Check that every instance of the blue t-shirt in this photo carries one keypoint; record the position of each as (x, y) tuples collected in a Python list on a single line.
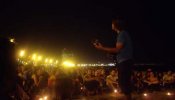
[(126, 52)]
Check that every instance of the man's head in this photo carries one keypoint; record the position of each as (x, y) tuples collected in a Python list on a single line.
[(89, 72), (117, 25), (151, 74), (113, 73)]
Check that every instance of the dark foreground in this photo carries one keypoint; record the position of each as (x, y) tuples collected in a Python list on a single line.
[(158, 95)]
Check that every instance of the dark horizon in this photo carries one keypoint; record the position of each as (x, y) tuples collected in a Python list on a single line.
[(51, 26)]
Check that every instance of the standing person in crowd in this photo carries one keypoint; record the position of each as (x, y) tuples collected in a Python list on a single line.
[(40, 79), (52, 84), (10, 88), (102, 78), (8, 73), (124, 51)]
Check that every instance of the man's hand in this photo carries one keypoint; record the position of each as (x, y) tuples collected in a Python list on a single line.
[(98, 45), (116, 49)]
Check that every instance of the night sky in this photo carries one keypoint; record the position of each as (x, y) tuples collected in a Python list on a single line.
[(50, 26)]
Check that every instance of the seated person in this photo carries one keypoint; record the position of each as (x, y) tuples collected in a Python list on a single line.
[(102, 78), (152, 81), (91, 82), (111, 80), (168, 79), (173, 75), (137, 81)]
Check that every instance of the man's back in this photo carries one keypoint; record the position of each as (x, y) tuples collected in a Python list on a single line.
[(127, 51)]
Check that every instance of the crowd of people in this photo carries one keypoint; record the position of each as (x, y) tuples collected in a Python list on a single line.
[(153, 80), (60, 82), (27, 82)]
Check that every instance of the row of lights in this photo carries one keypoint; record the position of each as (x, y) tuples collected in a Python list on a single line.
[(115, 91), (84, 65), (168, 94), (36, 57), (146, 94), (39, 58), (43, 98)]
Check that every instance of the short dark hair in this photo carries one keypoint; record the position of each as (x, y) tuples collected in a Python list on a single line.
[(119, 23)]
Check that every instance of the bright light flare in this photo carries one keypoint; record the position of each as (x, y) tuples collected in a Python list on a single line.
[(115, 91), (81, 88), (168, 93), (22, 53), (51, 61), (12, 40), (46, 60), (145, 94), (56, 61), (39, 58), (40, 98), (34, 57), (68, 64), (45, 97)]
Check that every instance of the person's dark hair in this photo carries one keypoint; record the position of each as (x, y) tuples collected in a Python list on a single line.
[(119, 24)]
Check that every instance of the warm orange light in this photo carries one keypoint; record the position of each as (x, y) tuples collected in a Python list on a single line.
[(34, 57), (39, 58), (12, 40), (145, 94), (46, 60), (51, 60), (22, 53), (68, 64), (168, 93), (115, 91)]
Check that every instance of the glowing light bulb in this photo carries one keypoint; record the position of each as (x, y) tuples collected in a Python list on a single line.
[(145, 94), (45, 97), (22, 53), (115, 91), (81, 88), (40, 98), (168, 93)]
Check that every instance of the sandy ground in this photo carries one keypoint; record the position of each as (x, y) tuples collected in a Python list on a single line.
[(157, 95)]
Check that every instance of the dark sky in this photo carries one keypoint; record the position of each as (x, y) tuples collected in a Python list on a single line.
[(50, 26)]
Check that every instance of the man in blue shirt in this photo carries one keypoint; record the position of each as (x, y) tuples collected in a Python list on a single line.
[(124, 51)]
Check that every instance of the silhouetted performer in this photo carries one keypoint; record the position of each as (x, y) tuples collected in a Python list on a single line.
[(124, 51)]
